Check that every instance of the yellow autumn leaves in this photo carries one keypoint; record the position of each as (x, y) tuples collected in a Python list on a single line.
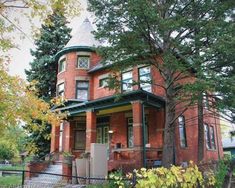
[(19, 103), (175, 176)]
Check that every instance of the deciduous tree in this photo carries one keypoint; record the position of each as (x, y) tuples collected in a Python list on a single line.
[(183, 40)]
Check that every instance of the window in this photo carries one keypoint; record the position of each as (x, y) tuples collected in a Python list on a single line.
[(62, 65), (103, 82), (130, 137), (82, 90), (207, 136), (206, 101), (212, 134), (83, 62), (182, 132), (80, 136), (60, 89), (145, 78), (127, 81), (102, 130), (61, 137), (210, 137)]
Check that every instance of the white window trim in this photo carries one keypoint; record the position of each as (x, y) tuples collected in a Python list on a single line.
[(83, 54), (104, 76), (82, 78)]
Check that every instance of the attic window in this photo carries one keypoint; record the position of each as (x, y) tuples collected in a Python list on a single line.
[(83, 62)]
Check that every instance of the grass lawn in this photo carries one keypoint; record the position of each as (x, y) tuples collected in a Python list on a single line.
[(18, 167), (10, 180)]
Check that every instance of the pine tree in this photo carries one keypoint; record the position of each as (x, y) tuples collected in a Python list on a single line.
[(181, 39), (54, 34)]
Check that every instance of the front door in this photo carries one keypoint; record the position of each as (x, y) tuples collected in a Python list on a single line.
[(103, 134), (102, 130)]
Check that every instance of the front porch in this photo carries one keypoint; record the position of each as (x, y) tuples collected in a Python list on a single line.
[(132, 141)]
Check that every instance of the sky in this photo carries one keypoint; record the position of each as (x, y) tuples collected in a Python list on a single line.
[(20, 56)]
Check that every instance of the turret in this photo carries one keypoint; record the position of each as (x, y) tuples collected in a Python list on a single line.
[(74, 62)]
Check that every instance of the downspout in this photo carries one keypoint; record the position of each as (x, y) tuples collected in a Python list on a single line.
[(144, 136), (218, 146)]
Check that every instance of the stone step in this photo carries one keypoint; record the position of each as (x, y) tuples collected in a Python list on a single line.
[(47, 180)]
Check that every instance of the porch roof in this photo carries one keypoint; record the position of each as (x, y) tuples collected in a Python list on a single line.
[(114, 101)]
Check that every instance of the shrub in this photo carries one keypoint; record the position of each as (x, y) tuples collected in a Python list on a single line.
[(7, 150), (176, 176), (116, 180), (221, 172)]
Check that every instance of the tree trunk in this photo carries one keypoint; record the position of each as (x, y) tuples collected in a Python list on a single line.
[(201, 136), (169, 133)]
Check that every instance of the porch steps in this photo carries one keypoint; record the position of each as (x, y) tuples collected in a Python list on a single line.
[(233, 182), (58, 162), (47, 180)]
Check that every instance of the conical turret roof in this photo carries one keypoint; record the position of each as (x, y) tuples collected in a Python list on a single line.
[(83, 40), (84, 36)]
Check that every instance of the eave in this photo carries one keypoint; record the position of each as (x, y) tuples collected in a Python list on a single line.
[(146, 98), (74, 49)]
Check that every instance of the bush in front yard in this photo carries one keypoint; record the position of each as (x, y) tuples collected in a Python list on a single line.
[(176, 176), (7, 150)]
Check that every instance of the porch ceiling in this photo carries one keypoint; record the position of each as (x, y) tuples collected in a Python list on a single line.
[(115, 109), (115, 103)]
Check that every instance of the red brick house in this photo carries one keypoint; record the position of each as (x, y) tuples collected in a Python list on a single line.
[(132, 126)]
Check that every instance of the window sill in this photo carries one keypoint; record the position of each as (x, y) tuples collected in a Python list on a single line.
[(102, 87), (212, 150), (78, 150), (82, 68), (61, 72), (184, 148)]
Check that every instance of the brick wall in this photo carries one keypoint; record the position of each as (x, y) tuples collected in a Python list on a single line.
[(35, 167), (156, 117)]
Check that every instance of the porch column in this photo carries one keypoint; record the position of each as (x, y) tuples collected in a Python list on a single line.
[(55, 137), (90, 129), (67, 137), (67, 147), (137, 132)]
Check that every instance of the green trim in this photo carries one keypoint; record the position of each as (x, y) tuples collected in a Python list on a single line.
[(72, 49), (103, 107), (112, 101), (103, 67), (144, 136)]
